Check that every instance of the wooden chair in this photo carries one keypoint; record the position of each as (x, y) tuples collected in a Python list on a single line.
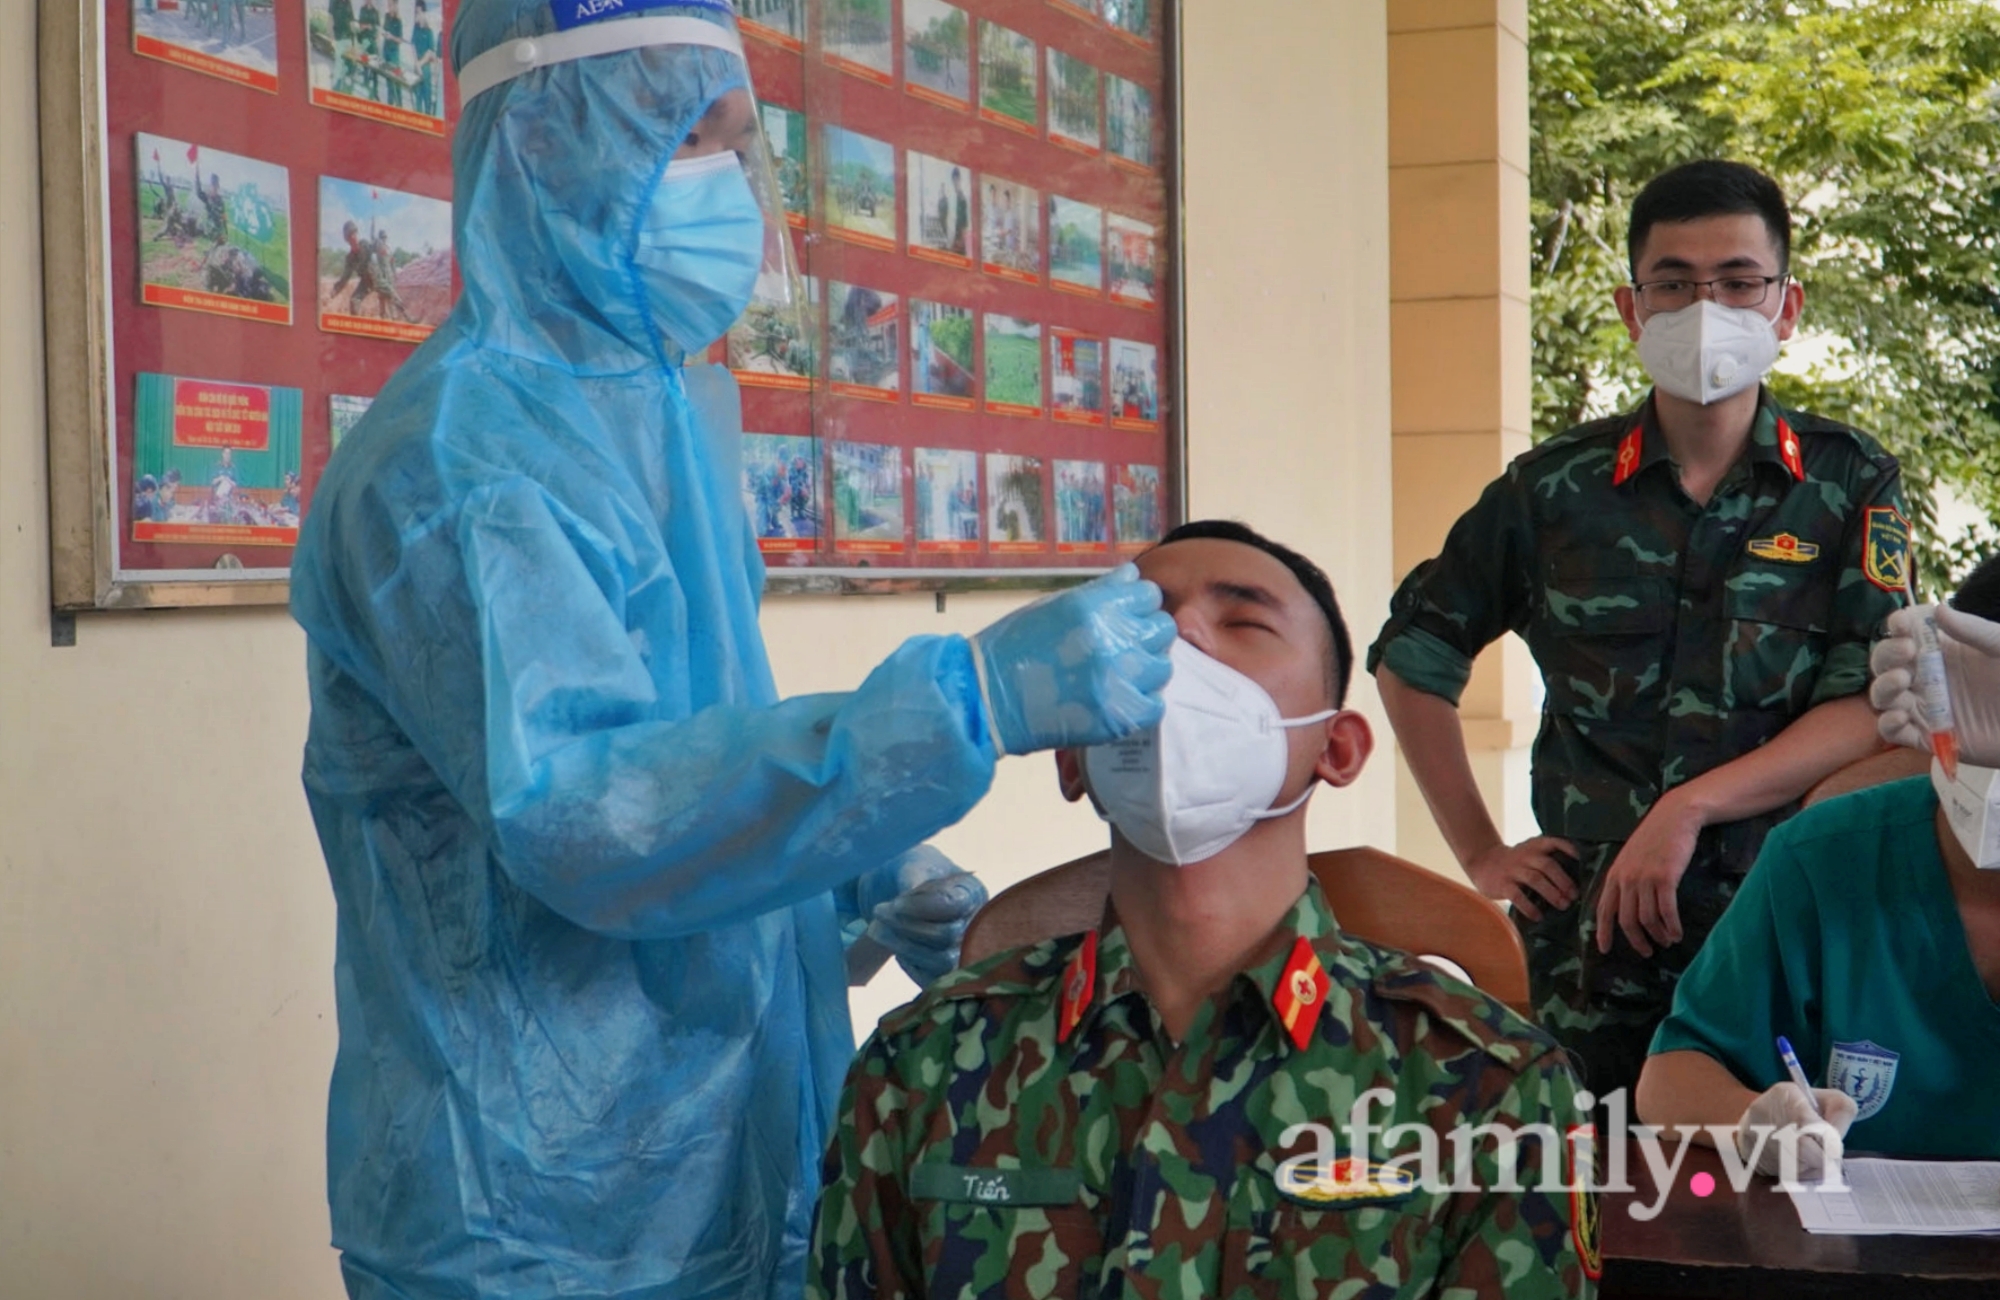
[(1374, 895), (1889, 765)]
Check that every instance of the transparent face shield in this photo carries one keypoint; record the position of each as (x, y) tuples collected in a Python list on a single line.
[(774, 332)]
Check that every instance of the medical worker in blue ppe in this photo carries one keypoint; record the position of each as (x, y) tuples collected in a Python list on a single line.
[(591, 872)]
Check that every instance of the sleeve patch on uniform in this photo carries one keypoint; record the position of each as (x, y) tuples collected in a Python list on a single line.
[(1581, 1153), (1885, 548)]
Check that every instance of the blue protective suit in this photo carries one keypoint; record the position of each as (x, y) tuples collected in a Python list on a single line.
[(593, 1015)]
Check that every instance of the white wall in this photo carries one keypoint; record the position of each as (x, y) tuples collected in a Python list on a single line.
[(166, 933)]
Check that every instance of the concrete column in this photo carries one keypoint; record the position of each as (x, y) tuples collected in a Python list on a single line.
[(1459, 338)]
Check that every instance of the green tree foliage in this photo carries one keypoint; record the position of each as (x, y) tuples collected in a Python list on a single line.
[(1881, 120)]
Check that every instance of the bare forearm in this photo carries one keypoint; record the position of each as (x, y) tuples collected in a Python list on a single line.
[(1816, 745), (1433, 742), (1690, 1088)]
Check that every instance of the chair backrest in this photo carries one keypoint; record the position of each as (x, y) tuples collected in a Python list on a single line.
[(1889, 765), (1375, 896)]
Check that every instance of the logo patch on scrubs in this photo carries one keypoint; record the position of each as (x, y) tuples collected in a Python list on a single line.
[(1864, 1071), (1348, 1181), (1885, 548), (1784, 547), (575, 13)]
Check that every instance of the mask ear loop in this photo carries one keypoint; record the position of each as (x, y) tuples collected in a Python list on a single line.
[(1300, 802)]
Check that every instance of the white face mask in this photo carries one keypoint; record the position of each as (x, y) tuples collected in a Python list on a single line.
[(1706, 352), (1192, 786), (1972, 808)]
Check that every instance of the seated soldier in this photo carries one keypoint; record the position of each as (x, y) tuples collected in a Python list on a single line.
[(1868, 935), (1111, 1111)]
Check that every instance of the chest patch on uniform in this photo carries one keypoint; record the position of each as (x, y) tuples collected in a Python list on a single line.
[(1885, 548), (985, 1186), (1346, 1181), (1865, 1071), (1785, 547)]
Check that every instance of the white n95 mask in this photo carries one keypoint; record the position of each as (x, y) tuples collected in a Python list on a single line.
[(1971, 806), (1194, 784), (1706, 352)]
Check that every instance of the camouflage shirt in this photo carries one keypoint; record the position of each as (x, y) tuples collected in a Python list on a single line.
[(1027, 1128), (1672, 637)]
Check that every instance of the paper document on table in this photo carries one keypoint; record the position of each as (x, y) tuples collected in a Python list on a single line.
[(1920, 1197)]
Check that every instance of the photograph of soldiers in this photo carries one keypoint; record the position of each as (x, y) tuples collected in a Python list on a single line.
[(361, 54), (1080, 514), (940, 209), (937, 51), (1073, 115), (947, 499), (384, 257), (212, 225), (240, 33), (781, 486)]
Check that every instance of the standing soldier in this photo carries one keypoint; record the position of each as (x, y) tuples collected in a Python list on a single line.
[(1698, 581), (382, 280)]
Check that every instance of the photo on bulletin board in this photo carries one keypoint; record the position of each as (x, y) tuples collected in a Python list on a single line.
[(1076, 246), (379, 59), (941, 356), (214, 231), (384, 261), (864, 335), (216, 462), (1132, 19), (1013, 366), (235, 42), (781, 22), (867, 497), (1128, 123), (1073, 103), (1135, 385), (947, 491), (785, 133), (774, 344), (859, 39), (1082, 521), (1132, 255), (940, 216), (1010, 240), (343, 412), (1139, 499), (937, 53), (781, 491), (860, 189), (1017, 511), (1076, 377), (1009, 78)]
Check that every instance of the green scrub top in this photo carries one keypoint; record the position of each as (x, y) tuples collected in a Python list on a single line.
[(1846, 939)]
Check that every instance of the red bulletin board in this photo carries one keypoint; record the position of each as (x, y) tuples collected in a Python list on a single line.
[(202, 101), (1097, 470), (213, 326)]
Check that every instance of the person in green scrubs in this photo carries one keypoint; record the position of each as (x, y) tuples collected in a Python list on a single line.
[(1868, 935)]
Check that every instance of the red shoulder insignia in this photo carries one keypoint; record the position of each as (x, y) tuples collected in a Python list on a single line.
[(1301, 993), (1079, 986), (1628, 455), (1788, 450)]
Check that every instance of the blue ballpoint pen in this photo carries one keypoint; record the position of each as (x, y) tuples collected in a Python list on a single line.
[(1792, 1067)]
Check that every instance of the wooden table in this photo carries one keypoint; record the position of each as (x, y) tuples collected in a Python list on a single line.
[(1751, 1245)]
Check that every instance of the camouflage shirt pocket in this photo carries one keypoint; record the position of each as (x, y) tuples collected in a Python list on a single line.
[(1019, 1252), (1777, 638), (1600, 591), (1292, 1252)]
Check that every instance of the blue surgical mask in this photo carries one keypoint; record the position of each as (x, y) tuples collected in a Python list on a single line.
[(700, 247)]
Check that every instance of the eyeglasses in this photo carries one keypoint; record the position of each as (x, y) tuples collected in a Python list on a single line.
[(1730, 291)]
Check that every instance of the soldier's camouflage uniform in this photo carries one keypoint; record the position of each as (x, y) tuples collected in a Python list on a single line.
[(1672, 638), (984, 1152)]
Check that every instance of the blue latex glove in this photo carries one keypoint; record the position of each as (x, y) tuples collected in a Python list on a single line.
[(916, 909), (1081, 667)]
